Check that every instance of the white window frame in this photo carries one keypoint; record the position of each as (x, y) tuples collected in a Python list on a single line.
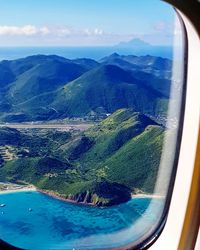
[(171, 235)]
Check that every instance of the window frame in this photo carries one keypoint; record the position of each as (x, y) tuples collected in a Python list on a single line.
[(150, 241), (180, 232), (182, 225)]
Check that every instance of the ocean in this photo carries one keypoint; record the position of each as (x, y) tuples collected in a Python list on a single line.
[(54, 224), (96, 53)]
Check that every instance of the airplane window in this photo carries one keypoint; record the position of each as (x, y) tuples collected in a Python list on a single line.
[(91, 109)]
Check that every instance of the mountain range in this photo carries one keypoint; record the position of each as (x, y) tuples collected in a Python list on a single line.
[(121, 95), (52, 87)]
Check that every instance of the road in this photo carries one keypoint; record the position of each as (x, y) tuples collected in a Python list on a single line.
[(81, 126)]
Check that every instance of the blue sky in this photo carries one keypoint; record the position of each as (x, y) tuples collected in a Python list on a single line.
[(84, 22)]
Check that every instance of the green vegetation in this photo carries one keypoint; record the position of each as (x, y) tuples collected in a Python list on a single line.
[(102, 165), (51, 87), (105, 164), (137, 162), (112, 133)]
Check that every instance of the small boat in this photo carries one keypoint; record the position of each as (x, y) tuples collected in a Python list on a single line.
[(30, 209), (2, 205)]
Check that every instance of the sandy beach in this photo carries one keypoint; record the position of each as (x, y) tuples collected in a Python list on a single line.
[(133, 196), (152, 196), (13, 188), (22, 189)]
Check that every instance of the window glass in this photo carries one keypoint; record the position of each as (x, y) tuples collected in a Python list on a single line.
[(91, 107)]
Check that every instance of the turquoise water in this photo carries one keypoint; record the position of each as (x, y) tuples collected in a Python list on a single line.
[(54, 224)]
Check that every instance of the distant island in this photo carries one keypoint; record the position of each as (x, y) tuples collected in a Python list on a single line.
[(135, 42)]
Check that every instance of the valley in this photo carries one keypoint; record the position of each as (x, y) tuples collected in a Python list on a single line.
[(87, 131), (45, 88), (100, 165)]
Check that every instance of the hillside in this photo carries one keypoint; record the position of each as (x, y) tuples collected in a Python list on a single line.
[(142, 62), (50, 87), (101, 90), (102, 165), (155, 72), (23, 79)]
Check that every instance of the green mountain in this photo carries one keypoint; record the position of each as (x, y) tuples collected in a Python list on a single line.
[(109, 162), (101, 90), (23, 79), (11, 70), (125, 148), (102, 165), (43, 77), (155, 72), (50, 87), (139, 62)]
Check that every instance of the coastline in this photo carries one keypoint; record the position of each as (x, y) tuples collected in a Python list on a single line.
[(22, 189), (143, 195), (57, 196), (133, 196)]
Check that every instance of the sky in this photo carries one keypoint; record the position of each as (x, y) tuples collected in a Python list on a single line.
[(84, 22)]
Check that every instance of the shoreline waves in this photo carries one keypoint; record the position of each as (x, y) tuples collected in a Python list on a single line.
[(133, 196), (59, 197), (23, 189), (143, 195), (31, 220)]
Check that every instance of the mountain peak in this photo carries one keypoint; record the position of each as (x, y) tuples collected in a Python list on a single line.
[(136, 42), (114, 55), (113, 73)]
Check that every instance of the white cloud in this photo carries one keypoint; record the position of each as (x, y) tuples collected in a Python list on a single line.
[(64, 31), (45, 30), (59, 31), (161, 26), (53, 35), (93, 32), (26, 30), (98, 32), (162, 33)]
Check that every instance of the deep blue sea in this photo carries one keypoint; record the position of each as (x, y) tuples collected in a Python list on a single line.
[(96, 53), (54, 224)]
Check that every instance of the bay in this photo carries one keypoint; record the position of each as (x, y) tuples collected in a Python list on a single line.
[(32, 220)]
